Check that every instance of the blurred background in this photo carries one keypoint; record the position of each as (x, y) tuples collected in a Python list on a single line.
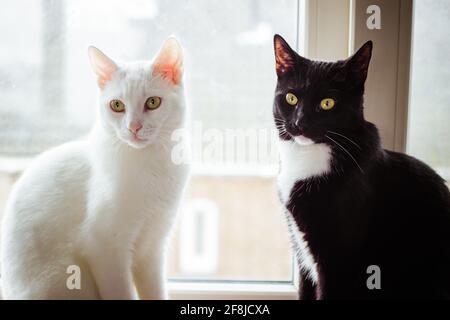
[(231, 224)]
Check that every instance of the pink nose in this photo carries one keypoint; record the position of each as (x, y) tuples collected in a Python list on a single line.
[(135, 127)]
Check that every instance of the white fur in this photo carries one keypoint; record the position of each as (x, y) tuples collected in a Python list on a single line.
[(299, 162), (301, 249), (303, 141), (106, 203)]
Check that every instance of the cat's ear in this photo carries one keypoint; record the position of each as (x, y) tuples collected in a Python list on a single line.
[(169, 61), (102, 66), (285, 57), (359, 62)]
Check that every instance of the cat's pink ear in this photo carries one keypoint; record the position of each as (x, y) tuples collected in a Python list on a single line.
[(169, 61), (102, 66), (285, 57)]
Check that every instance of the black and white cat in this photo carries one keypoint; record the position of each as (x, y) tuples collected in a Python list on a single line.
[(350, 204)]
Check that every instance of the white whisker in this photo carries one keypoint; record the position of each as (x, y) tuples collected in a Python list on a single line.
[(339, 145), (345, 137)]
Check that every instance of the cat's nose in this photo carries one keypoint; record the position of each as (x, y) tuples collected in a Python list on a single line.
[(134, 127)]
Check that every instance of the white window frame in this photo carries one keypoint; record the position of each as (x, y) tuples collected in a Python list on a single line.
[(331, 29)]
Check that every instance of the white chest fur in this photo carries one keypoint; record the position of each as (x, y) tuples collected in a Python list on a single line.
[(141, 182), (299, 163)]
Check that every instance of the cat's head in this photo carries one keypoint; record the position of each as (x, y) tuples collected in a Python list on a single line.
[(313, 97), (141, 102)]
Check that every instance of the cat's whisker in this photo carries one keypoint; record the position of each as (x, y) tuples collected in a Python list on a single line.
[(345, 137), (281, 124), (310, 183), (346, 151), (283, 131)]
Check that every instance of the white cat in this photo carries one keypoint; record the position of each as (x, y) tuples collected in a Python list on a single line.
[(107, 203)]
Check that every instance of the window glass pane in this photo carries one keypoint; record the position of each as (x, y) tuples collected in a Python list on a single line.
[(48, 96), (429, 111)]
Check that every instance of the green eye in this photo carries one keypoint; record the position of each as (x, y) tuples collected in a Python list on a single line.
[(291, 99), (327, 104), (117, 106), (153, 102)]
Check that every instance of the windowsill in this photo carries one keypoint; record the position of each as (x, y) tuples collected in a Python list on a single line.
[(180, 290)]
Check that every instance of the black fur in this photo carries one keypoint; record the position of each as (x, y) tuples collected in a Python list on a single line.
[(380, 208)]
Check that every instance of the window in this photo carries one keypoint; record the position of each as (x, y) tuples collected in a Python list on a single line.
[(428, 130)]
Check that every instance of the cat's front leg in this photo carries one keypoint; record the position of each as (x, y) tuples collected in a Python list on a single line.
[(111, 269), (149, 277)]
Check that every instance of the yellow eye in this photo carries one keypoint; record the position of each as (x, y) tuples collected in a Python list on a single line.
[(291, 99), (117, 106), (327, 104), (153, 102)]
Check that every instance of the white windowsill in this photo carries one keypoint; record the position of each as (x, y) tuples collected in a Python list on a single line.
[(231, 291)]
